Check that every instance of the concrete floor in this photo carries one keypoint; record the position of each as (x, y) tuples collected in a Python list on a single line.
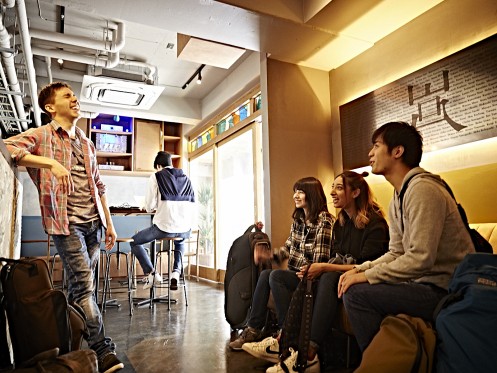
[(187, 339)]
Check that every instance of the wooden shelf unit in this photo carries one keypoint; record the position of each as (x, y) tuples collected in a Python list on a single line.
[(113, 139), (140, 139)]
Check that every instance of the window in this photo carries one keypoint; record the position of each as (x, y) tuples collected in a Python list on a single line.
[(236, 192)]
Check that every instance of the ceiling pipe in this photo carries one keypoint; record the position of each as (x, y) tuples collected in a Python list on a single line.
[(48, 61), (28, 57), (117, 43), (11, 74), (101, 61)]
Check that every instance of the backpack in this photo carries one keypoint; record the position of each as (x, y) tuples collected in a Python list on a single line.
[(404, 344), (479, 242), (39, 318), (241, 276), (466, 319)]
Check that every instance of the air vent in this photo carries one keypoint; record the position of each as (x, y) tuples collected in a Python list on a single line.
[(119, 93)]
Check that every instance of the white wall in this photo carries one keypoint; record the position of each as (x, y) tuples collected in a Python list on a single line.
[(120, 190)]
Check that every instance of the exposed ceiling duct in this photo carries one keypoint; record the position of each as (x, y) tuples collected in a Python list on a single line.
[(108, 83), (15, 113)]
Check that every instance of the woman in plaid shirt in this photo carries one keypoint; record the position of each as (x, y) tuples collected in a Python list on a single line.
[(309, 242)]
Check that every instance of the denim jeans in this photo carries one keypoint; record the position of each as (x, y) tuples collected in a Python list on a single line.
[(325, 306), (79, 253), (153, 233), (367, 305), (260, 298), (283, 283), (264, 286)]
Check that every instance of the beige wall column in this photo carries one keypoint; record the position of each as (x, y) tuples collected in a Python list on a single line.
[(299, 137)]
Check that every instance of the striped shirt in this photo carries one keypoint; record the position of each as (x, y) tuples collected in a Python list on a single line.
[(52, 141), (310, 243)]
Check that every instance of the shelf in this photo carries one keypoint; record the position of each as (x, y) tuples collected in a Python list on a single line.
[(171, 138), (112, 155), (112, 132)]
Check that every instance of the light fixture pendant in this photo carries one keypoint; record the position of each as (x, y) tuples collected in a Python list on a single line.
[(199, 79)]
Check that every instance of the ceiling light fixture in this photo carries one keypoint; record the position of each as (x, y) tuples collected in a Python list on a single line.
[(198, 74)]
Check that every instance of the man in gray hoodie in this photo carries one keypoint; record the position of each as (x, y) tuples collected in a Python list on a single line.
[(428, 239)]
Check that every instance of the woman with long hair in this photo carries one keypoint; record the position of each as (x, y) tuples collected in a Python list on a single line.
[(360, 234), (309, 242)]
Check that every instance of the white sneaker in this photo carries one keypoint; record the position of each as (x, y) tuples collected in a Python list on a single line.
[(151, 279), (291, 361), (267, 349)]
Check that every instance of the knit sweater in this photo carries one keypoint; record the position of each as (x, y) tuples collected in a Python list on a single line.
[(363, 244), (434, 238)]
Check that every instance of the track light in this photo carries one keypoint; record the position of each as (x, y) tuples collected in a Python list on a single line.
[(198, 74), (60, 61)]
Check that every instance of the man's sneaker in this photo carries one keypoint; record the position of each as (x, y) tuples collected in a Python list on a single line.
[(248, 335), (174, 284), (109, 363), (151, 279), (291, 361), (174, 281), (267, 349)]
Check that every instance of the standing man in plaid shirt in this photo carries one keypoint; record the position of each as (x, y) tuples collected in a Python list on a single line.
[(309, 242), (62, 163)]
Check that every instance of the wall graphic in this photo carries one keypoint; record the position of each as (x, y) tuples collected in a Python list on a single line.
[(452, 102), (10, 211)]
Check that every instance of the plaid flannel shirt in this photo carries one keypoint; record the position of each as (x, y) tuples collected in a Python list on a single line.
[(310, 243), (52, 141)]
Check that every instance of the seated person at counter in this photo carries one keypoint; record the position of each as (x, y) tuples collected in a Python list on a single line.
[(170, 194)]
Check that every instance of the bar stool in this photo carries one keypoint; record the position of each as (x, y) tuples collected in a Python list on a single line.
[(165, 247), (192, 240), (108, 257)]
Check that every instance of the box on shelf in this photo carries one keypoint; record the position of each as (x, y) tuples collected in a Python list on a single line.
[(115, 167), (106, 142), (111, 127)]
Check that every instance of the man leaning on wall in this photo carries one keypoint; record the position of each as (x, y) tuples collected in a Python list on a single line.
[(62, 163)]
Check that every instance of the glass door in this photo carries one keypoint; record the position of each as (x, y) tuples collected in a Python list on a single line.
[(202, 177), (236, 192)]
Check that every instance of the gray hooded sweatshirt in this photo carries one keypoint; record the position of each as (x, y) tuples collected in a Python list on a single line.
[(434, 238)]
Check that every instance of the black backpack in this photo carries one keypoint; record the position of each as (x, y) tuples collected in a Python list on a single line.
[(38, 316), (241, 276)]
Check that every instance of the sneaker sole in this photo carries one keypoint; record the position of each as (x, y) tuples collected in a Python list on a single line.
[(115, 368), (268, 355)]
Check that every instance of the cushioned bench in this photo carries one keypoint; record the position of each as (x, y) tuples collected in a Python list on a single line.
[(342, 324)]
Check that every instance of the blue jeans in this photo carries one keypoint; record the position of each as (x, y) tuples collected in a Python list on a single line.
[(282, 283), (258, 311), (325, 306), (367, 305), (79, 253), (153, 233)]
